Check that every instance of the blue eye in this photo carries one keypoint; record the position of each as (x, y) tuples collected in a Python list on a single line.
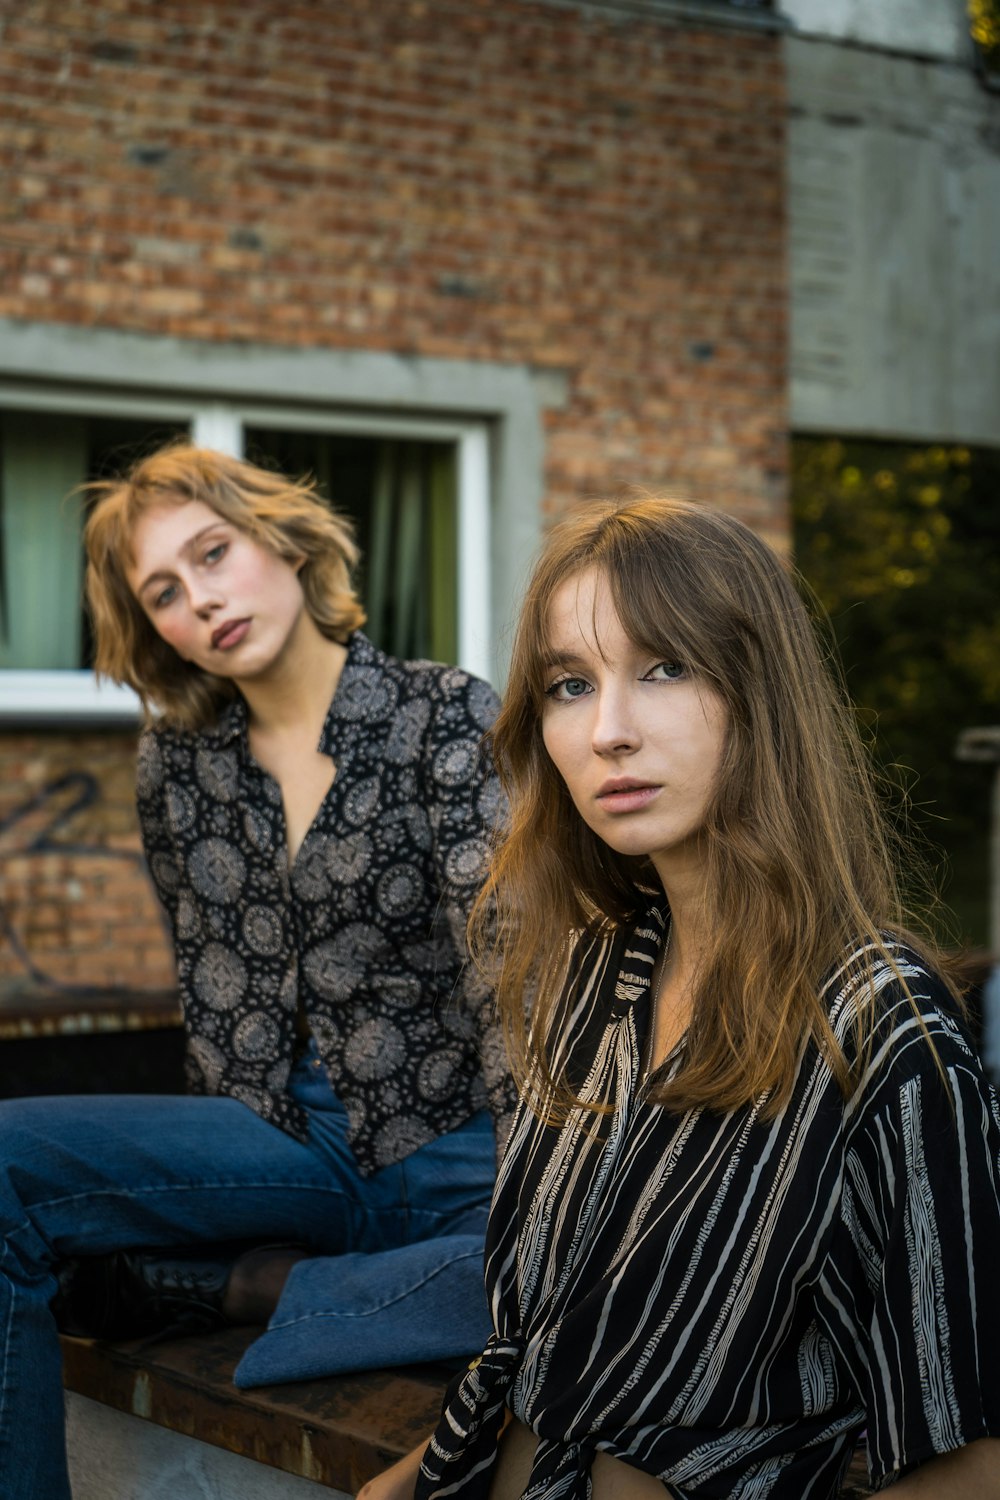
[(567, 689), (216, 553), (666, 671), (164, 596)]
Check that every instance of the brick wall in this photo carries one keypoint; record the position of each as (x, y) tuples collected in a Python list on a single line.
[(523, 182), (77, 910), (470, 178)]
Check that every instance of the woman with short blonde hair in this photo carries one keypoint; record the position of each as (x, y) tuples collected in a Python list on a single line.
[(315, 817)]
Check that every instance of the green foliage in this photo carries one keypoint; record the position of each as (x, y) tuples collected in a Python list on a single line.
[(984, 29), (902, 548), (984, 24)]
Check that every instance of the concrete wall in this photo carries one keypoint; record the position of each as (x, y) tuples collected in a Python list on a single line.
[(894, 210), (936, 28), (113, 1456)]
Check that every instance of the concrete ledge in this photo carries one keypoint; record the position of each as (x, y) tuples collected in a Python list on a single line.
[(31, 1011), (115, 1457), (338, 1432)]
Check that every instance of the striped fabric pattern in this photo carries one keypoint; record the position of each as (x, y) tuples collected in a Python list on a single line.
[(726, 1301)]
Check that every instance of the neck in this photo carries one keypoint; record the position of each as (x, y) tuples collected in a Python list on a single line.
[(685, 892), (296, 694)]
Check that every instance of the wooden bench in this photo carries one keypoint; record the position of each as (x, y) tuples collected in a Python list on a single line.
[(89, 1042), (166, 1423)]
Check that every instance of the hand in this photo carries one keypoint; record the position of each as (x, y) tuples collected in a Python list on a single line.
[(397, 1483)]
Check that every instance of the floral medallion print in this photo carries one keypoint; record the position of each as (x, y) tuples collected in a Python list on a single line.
[(365, 933), (149, 767), (217, 870), (218, 772), (262, 930), (409, 727), (188, 920), (375, 1050), (182, 810), (256, 1037), (219, 978), (362, 800), (400, 890)]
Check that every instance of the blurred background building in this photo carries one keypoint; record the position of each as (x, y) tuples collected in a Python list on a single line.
[(471, 261)]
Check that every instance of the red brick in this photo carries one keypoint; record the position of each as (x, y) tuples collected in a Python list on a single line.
[(612, 190)]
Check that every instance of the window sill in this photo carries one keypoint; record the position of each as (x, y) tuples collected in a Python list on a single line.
[(63, 700)]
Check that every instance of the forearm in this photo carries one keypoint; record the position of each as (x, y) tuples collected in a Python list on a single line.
[(970, 1473), (398, 1482)]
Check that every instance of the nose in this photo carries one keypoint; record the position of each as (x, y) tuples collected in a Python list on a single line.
[(203, 594), (614, 730)]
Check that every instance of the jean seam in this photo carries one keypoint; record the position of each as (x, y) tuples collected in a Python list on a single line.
[(381, 1306), (43, 1205), (178, 1187)]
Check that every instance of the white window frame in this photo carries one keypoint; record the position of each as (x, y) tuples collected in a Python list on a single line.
[(493, 411), (67, 697)]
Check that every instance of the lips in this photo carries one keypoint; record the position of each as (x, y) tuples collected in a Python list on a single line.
[(624, 794), (229, 634)]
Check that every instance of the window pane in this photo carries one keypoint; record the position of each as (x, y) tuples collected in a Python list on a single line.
[(41, 461), (44, 457), (401, 496)]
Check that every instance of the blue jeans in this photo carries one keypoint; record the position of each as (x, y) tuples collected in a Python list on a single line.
[(399, 1276)]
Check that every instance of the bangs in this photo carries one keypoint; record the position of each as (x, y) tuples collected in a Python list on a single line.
[(661, 621), (658, 610)]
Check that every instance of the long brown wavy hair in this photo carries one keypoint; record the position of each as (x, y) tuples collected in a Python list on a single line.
[(286, 516), (798, 851)]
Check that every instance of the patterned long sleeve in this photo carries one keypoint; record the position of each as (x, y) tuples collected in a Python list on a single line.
[(919, 1293), (162, 858), (466, 808)]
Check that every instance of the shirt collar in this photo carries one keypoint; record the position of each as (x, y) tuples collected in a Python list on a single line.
[(363, 698), (230, 726), (360, 699)]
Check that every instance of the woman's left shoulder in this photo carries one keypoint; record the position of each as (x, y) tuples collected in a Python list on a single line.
[(461, 702), (441, 686), (909, 1018)]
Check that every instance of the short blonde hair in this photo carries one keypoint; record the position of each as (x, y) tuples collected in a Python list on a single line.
[(286, 516)]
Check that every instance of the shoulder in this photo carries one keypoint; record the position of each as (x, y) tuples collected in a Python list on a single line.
[(446, 692), (446, 714), (452, 692), (167, 754), (891, 988), (901, 1029)]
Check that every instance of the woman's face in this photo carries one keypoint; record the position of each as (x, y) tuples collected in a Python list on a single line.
[(219, 598), (638, 741)]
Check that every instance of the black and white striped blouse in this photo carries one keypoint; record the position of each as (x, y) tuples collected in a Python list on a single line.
[(725, 1301)]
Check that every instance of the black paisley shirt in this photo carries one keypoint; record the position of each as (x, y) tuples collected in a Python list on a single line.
[(366, 931)]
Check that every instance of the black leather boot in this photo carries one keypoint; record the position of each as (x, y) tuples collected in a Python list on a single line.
[(129, 1294)]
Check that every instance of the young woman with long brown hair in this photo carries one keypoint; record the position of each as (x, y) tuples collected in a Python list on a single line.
[(750, 1204)]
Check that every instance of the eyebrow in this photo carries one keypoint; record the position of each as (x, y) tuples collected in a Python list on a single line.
[(561, 659), (188, 547)]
